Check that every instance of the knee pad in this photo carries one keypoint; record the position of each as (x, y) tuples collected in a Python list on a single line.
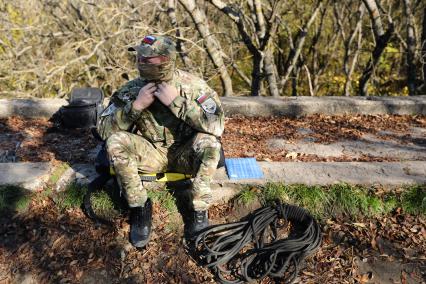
[(117, 140)]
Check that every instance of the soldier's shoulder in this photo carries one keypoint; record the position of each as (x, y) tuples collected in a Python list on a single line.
[(127, 91), (192, 80)]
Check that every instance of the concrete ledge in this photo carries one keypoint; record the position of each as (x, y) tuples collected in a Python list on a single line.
[(301, 106), (257, 106), (31, 176), (362, 173), (390, 174), (30, 107)]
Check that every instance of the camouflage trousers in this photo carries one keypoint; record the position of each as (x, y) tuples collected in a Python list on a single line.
[(131, 154)]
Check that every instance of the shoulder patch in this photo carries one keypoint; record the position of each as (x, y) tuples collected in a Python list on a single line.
[(207, 103)]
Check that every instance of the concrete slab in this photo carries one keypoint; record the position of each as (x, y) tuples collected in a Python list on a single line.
[(31, 176), (368, 145), (315, 173), (389, 272), (327, 173), (257, 106)]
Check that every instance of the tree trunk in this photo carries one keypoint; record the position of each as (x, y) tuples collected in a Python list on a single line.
[(210, 42), (256, 43), (411, 49), (171, 11), (382, 38), (294, 80), (348, 67), (256, 75), (270, 73), (423, 55), (348, 82), (298, 45)]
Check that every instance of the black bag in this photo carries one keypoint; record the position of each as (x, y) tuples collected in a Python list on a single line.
[(84, 108)]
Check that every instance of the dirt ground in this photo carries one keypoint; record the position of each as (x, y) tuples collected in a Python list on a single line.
[(45, 245), (38, 140)]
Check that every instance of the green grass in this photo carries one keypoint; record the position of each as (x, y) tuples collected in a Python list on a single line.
[(174, 223), (14, 199), (57, 173), (348, 200), (103, 205), (414, 200), (339, 200), (312, 197), (164, 198), (71, 197), (247, 195), (274, 191)]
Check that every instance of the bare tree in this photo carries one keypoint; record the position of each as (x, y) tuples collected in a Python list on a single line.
[(355, 33), (314, 47), (212, 46), (411, 48), (423, 51), (180, 47), (320, 56), (257, 43), (295, 52), (381, 40)]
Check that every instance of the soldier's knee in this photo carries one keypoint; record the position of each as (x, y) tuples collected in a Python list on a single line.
[(206, 141), (117, 140), (207, 147)]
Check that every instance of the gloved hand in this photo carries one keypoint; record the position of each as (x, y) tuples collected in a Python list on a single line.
[(145, 97), (166, 93)]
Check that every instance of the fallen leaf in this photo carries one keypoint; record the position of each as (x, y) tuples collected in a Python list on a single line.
[(291, 155), (361, 225)]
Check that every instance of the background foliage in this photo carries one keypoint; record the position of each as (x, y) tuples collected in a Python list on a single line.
[(49, 47)]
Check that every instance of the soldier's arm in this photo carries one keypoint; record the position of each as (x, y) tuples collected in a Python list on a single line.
[(120, 114), (201, 109)]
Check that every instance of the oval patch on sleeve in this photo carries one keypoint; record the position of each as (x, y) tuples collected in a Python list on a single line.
[(209, 105)]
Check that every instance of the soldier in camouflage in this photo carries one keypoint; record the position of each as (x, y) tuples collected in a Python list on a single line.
[(165, 120)]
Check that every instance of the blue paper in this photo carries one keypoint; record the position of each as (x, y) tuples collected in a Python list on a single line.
[(243, 168)]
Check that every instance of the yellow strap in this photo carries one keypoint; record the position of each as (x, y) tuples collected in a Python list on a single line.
[(173, 177), (161, 177)]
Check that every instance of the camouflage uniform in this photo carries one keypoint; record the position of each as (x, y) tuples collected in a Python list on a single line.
[(180, 138)]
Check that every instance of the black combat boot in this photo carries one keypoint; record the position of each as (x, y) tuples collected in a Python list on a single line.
[(140, 224), (198, 221)]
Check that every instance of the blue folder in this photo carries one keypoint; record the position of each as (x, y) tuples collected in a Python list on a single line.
[(243, 168)]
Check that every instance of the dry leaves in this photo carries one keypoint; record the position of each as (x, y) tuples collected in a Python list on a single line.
[(56, 246), (38, 140), (248, 136)]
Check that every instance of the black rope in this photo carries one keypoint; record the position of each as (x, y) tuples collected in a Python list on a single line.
[(251, 250)]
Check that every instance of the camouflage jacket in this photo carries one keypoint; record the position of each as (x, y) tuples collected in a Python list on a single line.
[(196, 109)]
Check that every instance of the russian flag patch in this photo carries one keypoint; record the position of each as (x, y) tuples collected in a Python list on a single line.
[(148, 40)]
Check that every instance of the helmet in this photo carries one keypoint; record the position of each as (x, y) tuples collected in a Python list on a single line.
[(153, 46)]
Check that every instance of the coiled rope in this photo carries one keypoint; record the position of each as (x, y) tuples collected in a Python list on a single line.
[(251, 249)]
